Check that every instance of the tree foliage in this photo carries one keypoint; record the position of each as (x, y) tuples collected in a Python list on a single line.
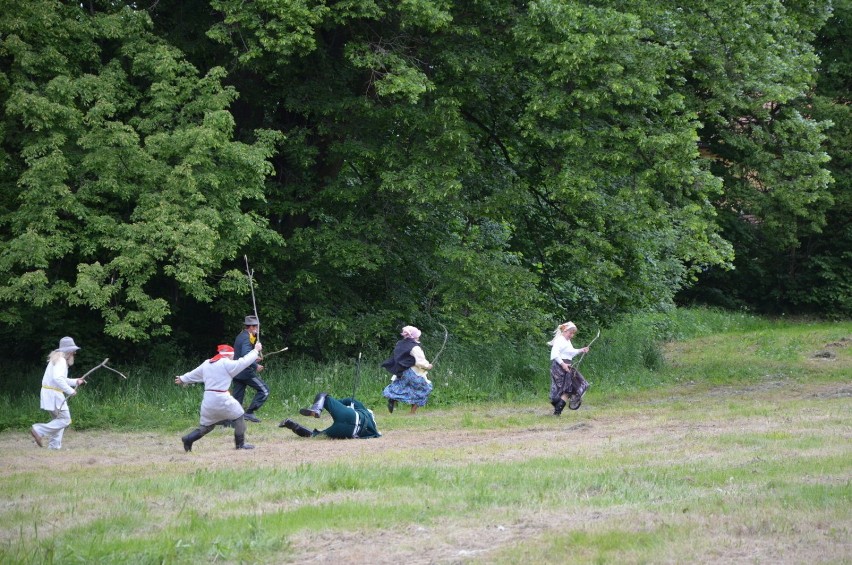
[(122, 184), (495, 166), (783, 154)]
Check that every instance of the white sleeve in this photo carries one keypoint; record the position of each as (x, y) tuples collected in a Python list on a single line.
[(194, 376), (237, 366), (556, 349), (568, 350), (60, 376), (419, 357)]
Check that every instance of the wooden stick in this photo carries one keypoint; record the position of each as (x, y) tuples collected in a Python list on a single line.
[(265, 355), (114, 371), (250, 274), (102, 364), (96, 367)]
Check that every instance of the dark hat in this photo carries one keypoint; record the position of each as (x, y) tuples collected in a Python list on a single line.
[(252, 321)]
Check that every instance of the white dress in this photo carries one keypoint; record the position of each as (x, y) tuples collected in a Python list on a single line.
[(218, 404), (54, 386)]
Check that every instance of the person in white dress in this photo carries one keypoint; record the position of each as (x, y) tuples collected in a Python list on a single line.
[(217, 405), (55, 385)]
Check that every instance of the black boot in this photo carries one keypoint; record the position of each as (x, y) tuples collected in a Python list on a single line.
[(191, 438), (240, 441), (391, 405), (300, 431), (558, 407), (316, 409)]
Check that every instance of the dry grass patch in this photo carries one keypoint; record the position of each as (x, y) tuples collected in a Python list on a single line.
[(689, 474)]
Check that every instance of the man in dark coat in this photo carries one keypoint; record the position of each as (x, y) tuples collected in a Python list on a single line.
[(242, 346)]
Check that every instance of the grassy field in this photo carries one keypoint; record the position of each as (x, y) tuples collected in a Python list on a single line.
[(729, 446)]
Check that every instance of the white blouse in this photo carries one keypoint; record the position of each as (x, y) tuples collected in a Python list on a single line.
[(562, 348)]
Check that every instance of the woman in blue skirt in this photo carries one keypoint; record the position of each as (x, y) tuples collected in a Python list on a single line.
[(409, 368)]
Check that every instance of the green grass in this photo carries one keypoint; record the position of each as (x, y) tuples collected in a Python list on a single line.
[(633, 355), (733, 446), (618, 499)]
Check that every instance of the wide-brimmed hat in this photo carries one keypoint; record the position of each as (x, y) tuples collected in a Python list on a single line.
[(252, 321), (67, 345)]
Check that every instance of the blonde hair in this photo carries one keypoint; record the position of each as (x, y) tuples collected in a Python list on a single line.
[(561, 328), (56, 355)]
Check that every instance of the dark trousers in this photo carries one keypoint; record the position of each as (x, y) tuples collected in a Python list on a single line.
[(238, 391)]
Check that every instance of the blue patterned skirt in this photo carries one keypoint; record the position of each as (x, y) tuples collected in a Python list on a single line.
[(410, 388)]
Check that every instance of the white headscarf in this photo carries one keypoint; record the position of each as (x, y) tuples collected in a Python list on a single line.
[(561, 328), (411, 332)]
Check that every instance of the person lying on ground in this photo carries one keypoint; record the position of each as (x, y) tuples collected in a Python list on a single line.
[(351, 419)]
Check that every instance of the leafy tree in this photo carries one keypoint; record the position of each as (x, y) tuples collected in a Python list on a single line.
[(820, 273), (483, 163), (121, 182), (493, 166), (752, 66)]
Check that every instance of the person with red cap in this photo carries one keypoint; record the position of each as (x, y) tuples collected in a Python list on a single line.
[(218, 405), (54, 386)]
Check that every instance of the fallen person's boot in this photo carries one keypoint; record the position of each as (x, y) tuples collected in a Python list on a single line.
[(316, 409), (297, 429)]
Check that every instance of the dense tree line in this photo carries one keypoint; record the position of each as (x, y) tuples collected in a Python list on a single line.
[(492, 166), (793, 237)]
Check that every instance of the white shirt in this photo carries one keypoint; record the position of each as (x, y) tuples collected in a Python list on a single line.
[(420, 363), (55, 385), (562, 349), (218, 404)]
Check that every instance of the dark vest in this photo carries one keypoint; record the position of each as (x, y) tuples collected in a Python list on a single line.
[(401, 359)]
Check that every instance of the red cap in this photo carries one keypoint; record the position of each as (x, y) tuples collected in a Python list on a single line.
[(224, 351)]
